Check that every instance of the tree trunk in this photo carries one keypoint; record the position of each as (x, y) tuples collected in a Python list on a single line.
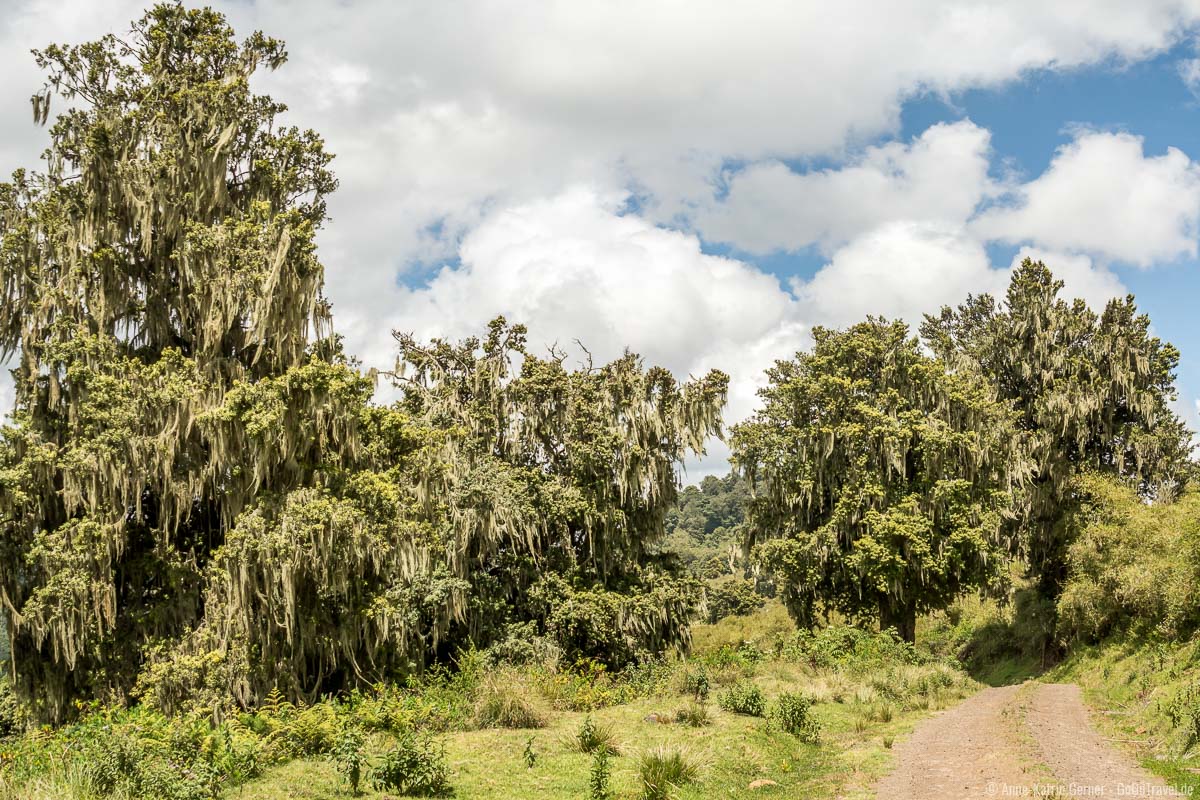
[(901, 617)]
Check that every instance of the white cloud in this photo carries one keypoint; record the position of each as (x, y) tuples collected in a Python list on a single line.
[(572, 268), (902, 269), (460, 126), (6, 394), (440, 112), (942, 176), (1103, 195)]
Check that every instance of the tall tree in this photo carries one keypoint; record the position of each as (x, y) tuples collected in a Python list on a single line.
[(879, 478), (587, 460), (163, 256), (1091, 392), (198, 502)]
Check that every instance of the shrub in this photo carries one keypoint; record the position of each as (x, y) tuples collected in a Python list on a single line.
[(793, 712), (1131, 565), (502, 703), (592, 737), (521, 646), (733, 598), (696, 683), (744, 697), (348, 754), (415, 766), (693, 714), (599, 777), (663, 769)]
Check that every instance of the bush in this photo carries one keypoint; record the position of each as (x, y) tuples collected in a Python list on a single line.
[(348, 754), (592, 737), (696, 683), (663, 769), (1130, 565), (733, 598), (415, 766), (599, 777), (693, 714), (793, 712), (521, 646), (744, 698), (506, 702)]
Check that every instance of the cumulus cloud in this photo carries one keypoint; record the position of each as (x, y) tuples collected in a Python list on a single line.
[(574, 267), (440, 112), (1101, 194), (571, 267), (459, 127), (941, 176)]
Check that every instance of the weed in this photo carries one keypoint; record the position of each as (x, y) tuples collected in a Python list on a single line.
[(529, 754), (793, 712), (599, 778), (592, 737), (507, 704), (663, 769), (744, 697), (348, 754), (415, 766), (693, 714)]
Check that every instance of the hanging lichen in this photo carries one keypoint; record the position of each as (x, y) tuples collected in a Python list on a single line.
[(1092, 392), (880, 480), (161, 263)]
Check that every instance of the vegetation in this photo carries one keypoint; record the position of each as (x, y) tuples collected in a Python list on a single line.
[(225, 569), (880, 477), (197, 495), (1092, 392)]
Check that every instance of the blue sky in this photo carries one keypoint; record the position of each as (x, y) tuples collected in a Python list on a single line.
[(704, 182)]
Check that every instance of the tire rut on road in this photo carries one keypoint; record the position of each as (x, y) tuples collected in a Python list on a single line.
[(1014, 741)]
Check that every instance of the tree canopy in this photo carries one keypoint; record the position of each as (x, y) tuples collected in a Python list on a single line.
[(879, 478), (1091, 392), (199, 501)]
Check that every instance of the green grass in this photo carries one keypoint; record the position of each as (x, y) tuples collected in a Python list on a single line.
[(731, 752), (862, 700)]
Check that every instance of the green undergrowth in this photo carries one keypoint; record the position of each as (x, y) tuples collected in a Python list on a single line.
[(827, 706)]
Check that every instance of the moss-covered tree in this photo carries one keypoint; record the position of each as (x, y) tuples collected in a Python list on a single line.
[(198, 501), (163, 257), (571, 473), (1091, 392), (880, 478)]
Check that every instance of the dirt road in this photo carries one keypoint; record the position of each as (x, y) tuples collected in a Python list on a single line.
[(1017, 741)]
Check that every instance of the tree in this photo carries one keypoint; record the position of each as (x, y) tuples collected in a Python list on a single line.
[(198, 501), (879, 478), (571, 475), (1091, 392), (164, 258)]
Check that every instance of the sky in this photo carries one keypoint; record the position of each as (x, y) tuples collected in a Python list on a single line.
[(703, 182)]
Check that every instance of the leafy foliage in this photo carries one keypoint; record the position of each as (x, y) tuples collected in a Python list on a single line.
[(744, 697), (416, 766), (1130, 566), (732, 597), (600, 775), (1091, 392), (793, 713), (880, 477), (198, 502)]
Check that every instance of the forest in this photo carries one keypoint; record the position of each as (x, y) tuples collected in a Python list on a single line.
[(225, 566)]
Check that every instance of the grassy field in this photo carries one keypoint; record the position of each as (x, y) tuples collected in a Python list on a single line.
[(865, 691)]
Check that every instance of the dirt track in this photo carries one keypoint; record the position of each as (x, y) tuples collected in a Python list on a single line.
[(1017, 741)]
